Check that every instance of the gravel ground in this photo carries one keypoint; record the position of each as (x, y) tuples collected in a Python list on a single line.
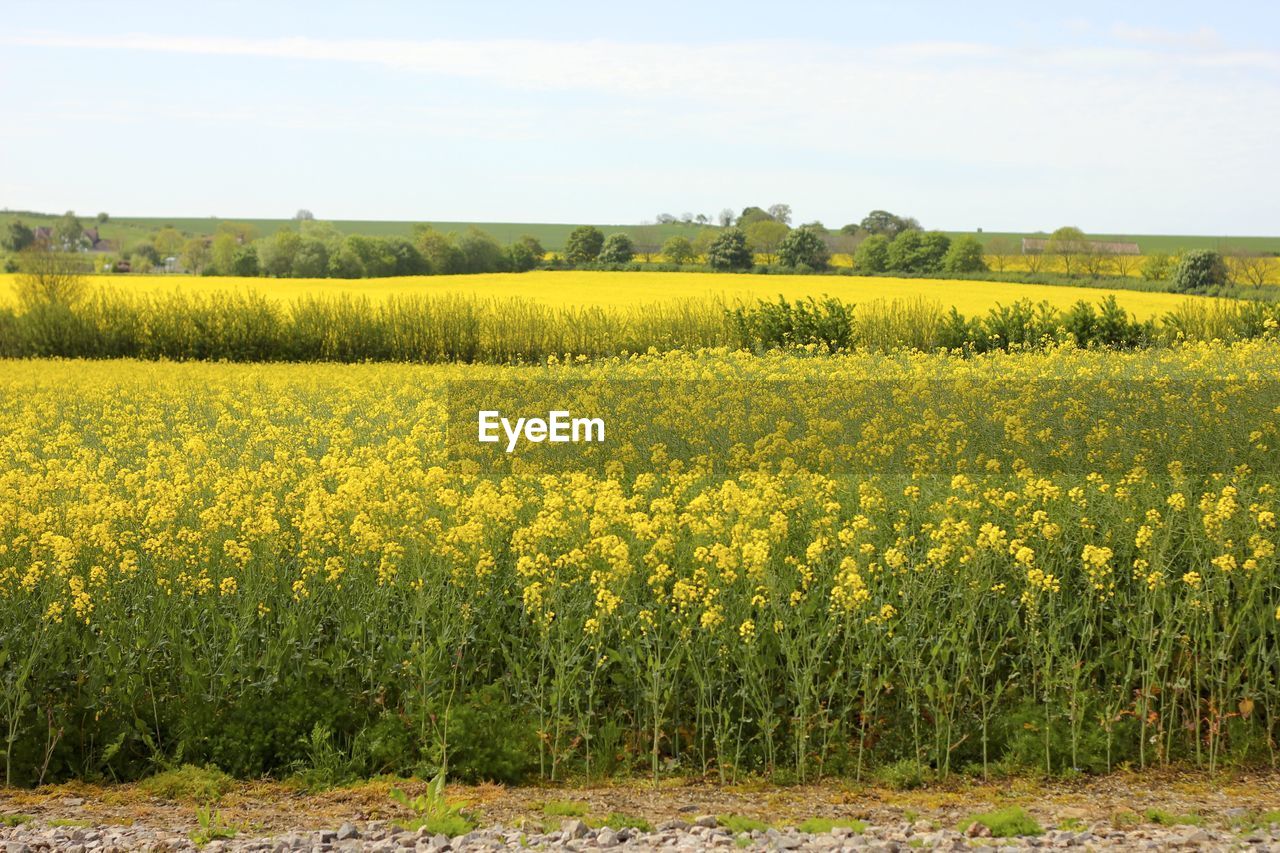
[(1122, 811)]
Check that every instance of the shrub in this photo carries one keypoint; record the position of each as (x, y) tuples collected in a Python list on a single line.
[(965, 255), (678, 250), (1198, 271), (904, 775), (617, 249), (189, 783), (872, 255), (1009, 822), (584, 244), (520, 257), (564, 808), (803, 247), (738, 823), (819, 825), (729, 251), (918, 252)]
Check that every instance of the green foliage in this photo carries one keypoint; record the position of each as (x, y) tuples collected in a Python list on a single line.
[(1157, 266), (490, 741), (888, 225), (211, 827), (803, 247), (564, 808), (1164, 818), (906, 774), (617, 249), (1199, 271), (480, 252), (872, 255), (965, 255), (584, 244), (1011, 822), (729, 251), (740, 823), (433, 812), (17, 237), (189, 783), (819, 825), (751, 215), (520, 258), (678, 250), (765, 236), (15, 819), (618, 820), (918, 252)]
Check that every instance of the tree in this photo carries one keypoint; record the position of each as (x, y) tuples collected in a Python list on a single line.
[(480, 252), (584, 244), (888, 224), (765, 236), (678, 250), (18, 237), (872, 255), (276, 252), (729, 251), (196, 255), (103, 217), (1198, 271), (223, 252), (168, 241), (68, 232), (534, 245), (1067, 244), (917, 252), (665, 219), (144, 251), (725, 218), (753, 214), (303, 214), (1000, 251), (647, 241), (440, 250), (1246, 267), (242, 231), (245, 262), (965, 255), (48, 277), (804, 247), (520, 257), (781, 212), (1096, 259), (375, 255), (407, 260), (702, 219), (687, 217), (1158, 266), (617, 249), (703, 239), (312, 260)]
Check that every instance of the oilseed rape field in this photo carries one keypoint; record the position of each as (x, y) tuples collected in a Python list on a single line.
[(787, 565), (622, 290)]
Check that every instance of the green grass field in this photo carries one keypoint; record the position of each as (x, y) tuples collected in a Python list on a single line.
[(129, 230)]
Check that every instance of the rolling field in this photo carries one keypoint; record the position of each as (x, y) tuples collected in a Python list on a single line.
[(629, 290), (1053, 560)]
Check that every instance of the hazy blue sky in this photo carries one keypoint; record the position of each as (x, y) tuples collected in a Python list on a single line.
[(1152, 117)]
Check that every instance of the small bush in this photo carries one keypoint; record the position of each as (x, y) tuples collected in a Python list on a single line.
[(738, 823), (14, 819), (1164, 818), (819, 825), (189, 783), (1010, 822), (904, 775), (1199, 271), (564, 808), (618, 820)]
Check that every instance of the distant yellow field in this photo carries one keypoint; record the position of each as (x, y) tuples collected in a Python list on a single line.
[(622, 289)]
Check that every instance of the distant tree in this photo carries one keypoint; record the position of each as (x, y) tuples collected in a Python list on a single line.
[(1157, 266), (243, 232), (678, 250), (852, 229), (729, 251), (617, 249), (407, 260), (276, 252), (1096, 260), (196, 255), (68, 232), (725, 218), (702, 219), (1198, 271), (647, 241), (1067, 244), (1000, 252), (804, 247), (917, 252), (520, 257), (376, 258), (872, 255), (103, 217), (48, 277), (245, 262), (687, 217), (440, 250), (303, 214), (703, 239), (965, 255), (480, 252), (665, 219), (534, 245), (765, 236), (753, 214), (144, 250), (341, 259), (780, 212), (223, 252), (1247, 268), (816, 226), (888, 224), (584, 244), (1124, 264), (17, 236), (168, 241)]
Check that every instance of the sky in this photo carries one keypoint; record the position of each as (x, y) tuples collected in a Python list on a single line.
[(1136, 117)]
